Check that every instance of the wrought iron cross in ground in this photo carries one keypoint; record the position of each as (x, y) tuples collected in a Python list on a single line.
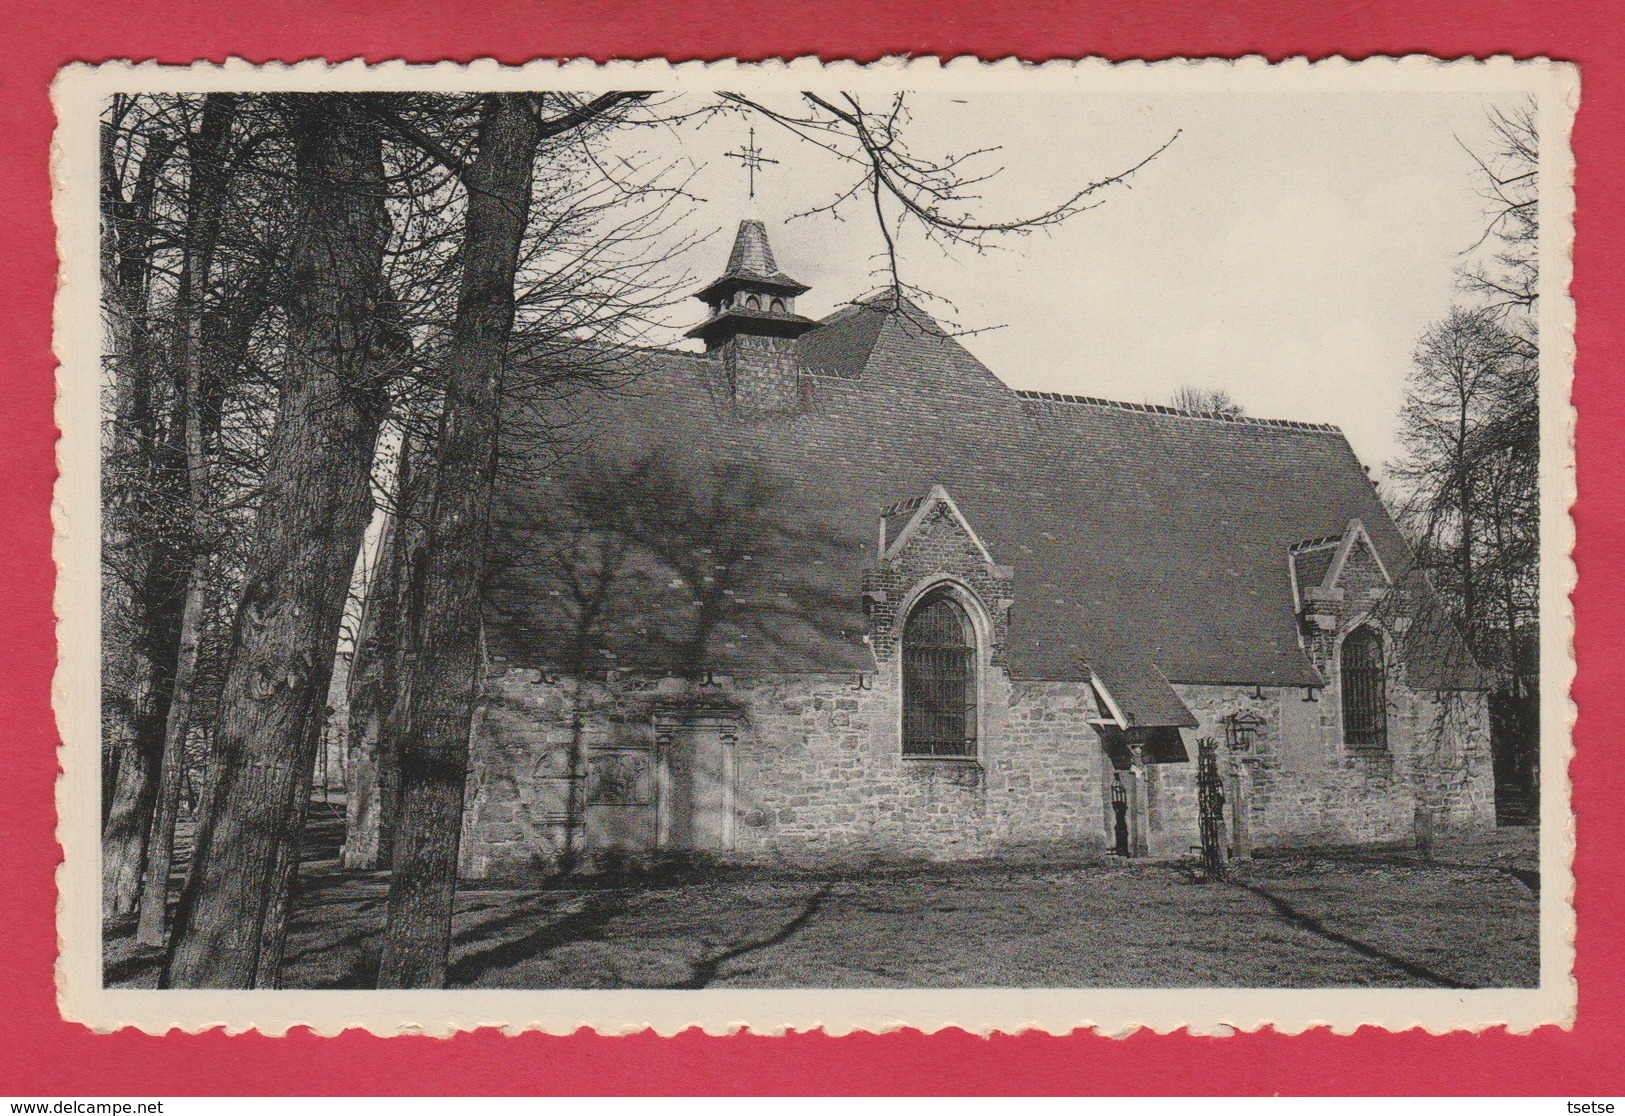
[(752, 159)]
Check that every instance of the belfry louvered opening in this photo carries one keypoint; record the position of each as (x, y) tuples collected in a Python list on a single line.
[(1365, 691), (939, 680)]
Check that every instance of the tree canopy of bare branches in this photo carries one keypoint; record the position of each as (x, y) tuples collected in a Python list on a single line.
[(1503, 266), (1469, 481), (1206, 401), (941, 196)]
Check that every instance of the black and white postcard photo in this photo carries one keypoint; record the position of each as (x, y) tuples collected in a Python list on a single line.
[(788, 545)]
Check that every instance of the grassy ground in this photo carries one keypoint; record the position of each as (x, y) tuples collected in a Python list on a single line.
[(1311, 919)]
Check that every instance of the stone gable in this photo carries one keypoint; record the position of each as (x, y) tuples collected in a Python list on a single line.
[(938, 548)]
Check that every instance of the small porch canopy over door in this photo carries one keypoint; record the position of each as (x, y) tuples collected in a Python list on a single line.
[(1134, 694)]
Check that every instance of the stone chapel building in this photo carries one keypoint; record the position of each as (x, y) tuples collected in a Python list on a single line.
[(832, 589)]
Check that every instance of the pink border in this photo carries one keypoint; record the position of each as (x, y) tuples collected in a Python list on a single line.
[(42, 1055)]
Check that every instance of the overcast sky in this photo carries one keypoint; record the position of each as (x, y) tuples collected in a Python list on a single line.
[(1288, 247)]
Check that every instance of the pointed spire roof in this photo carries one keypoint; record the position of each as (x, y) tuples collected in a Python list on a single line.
[(752, 253), (751, 265)]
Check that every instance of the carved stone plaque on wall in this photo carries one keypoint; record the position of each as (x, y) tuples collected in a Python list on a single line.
[(620, 779)]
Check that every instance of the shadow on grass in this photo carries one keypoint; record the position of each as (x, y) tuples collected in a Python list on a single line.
[(1405, 855), (597, 911), (705, 970), (1526, 876), (1307, 922), (1529, 877)]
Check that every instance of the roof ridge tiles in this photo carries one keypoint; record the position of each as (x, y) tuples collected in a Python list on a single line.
[(1162, 409)]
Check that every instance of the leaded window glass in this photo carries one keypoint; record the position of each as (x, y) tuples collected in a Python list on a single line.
[(1365, 691), (939, 680)]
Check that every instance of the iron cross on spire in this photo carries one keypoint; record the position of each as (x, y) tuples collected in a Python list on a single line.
[(753, 160)]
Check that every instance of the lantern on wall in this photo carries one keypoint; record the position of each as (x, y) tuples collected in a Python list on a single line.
[(1243, 728)]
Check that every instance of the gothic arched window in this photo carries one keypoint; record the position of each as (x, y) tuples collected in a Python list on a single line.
[(1365, 690), (753, 303), (939, 679), (777, 306)]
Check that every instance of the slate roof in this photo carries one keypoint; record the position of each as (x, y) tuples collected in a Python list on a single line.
[(1142, 694), (775, 322), (842, 343), (751, 263), (1145, 543), (1310, 561)]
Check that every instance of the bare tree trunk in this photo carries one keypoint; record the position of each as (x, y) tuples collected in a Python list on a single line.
[(154, 902), (397, 713), (368, 703), (1505, 586), (313, 515), (411, 538), (434, 754), (374, 686), (1464, 509), (134, 639), (206, 194)]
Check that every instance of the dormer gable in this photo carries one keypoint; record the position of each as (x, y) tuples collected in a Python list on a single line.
[(1336, 567), (902, 523), (927, 541), (1356, 555)]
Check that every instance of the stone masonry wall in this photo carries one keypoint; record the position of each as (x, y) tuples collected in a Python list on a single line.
[(818, 763), (1172, 826), (819, 770), (827, 776), (523, 809), (1302, 786), (1438, 753)]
